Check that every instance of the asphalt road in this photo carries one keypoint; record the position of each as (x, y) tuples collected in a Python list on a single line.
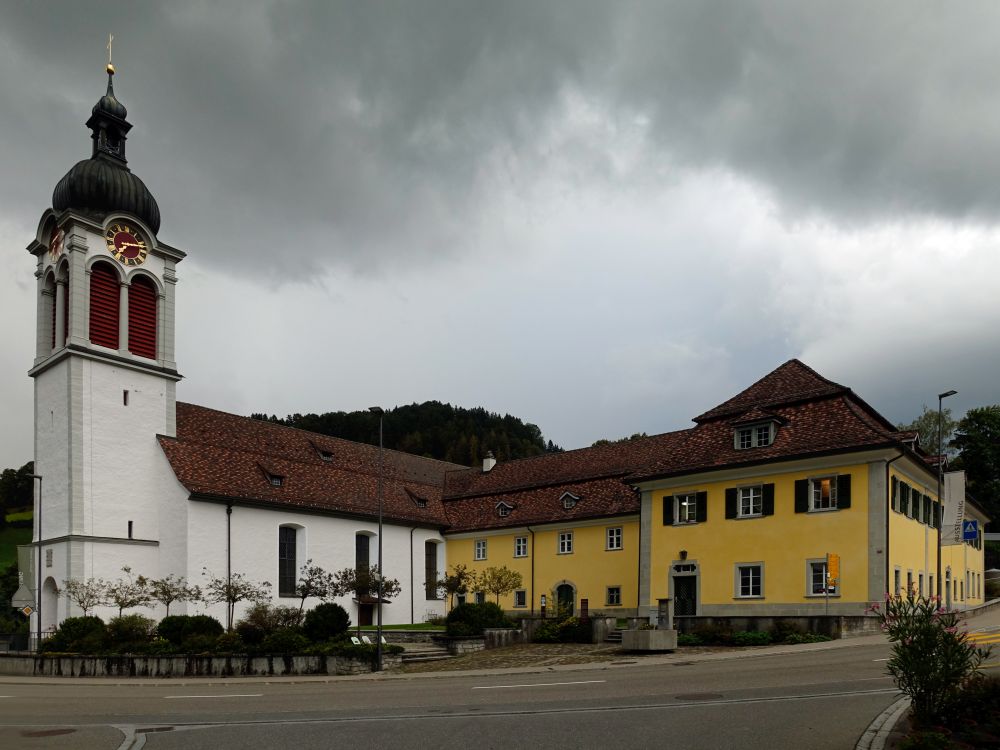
[(803, 699)]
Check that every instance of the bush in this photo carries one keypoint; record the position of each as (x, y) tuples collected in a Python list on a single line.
[(230, 643), (688, 639), (199, 644), (932, 660), (711, 634), (751, 638), (472, 619), (349, 650), (567, 630), (155, 647), (807, 638), (785, 629), (325, 622), (179, 628), (285, 641), (262, 619), (126, 633), (85, 635)]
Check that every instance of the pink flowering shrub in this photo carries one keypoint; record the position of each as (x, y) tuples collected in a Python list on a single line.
[(932, 658)]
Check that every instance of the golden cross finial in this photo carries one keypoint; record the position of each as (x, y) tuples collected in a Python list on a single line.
[(111, 68)]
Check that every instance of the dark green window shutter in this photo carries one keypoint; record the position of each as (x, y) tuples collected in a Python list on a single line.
[(767, 500), (730, 502), (801, 495), (844, 491), (927, 510), (904, 498), (895, 494), (914, 504), (668, 510), (701, 510)]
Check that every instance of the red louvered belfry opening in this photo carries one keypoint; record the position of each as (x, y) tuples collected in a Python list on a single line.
[(105, 303), (142, 317)]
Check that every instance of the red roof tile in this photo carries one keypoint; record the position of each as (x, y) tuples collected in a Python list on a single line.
[(224, 455)]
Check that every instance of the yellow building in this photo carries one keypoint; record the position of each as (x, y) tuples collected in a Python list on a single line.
[(736, 516)]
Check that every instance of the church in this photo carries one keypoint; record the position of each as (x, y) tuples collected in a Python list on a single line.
[(738, 515)]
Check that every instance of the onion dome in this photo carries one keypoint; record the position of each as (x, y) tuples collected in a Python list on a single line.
[(103, 183)]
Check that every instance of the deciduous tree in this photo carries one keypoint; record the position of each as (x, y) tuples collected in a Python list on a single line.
[(172, 589), (500, 581), (232, 590), (130, 591), (87, 594)]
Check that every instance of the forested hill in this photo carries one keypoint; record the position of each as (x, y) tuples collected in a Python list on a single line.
[(433, 429)]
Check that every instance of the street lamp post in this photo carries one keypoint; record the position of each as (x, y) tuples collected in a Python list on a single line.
[(940, 474), (381, 454), (38, 591)]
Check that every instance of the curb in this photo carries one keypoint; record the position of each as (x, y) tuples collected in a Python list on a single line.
[(877, 733)]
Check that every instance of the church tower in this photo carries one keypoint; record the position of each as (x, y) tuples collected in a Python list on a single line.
[(104, 369)]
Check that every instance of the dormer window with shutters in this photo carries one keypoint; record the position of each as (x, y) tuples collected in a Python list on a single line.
[(569, 500)]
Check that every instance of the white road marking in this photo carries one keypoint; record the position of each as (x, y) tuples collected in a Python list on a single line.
[(880, 659), (232, 695), (537, 684)]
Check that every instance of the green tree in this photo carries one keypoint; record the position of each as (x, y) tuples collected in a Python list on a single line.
[(172, 589), (87, 594), (926, 426), (16, 489), (232, 590), (459, 581), (130, 591), (363, 583), (313, 581), (500, 581), (977, 439)]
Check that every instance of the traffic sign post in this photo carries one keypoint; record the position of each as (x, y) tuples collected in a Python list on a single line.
[(970, 530)]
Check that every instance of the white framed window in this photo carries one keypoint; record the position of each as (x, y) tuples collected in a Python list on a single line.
[(520, 599), (275, 480), (480, 549), (614, 538), (753, 436), (503, 509), (565, 542), (520, 546), (750, 580), (569, 500), (823, 493), (614, 596), (687, 508), (749, 501), (818, 584)]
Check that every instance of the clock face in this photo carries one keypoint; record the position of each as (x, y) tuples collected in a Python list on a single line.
[(56, 243), (126, 244)]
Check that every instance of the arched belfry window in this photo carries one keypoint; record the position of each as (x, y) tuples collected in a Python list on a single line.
[(105, 303), (142, 298), (49, 298)]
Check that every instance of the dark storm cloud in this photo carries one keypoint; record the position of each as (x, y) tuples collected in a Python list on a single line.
[(294, 135)]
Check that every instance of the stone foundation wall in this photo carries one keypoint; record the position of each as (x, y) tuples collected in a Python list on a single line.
[(186, 666), (834, 626)]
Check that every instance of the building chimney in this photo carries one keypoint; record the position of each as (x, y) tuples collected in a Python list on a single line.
[(489, 462)]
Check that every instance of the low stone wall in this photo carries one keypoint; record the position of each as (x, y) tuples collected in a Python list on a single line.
[(834, 626), (500, 637), (186, 666), (403, 636), (464, 645)]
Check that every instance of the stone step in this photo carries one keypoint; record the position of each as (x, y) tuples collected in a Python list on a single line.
[(419, 658)]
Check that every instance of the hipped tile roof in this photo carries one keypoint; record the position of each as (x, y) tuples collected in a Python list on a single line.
[(225, 456)]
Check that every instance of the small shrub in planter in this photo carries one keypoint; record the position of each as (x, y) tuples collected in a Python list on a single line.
[(326, 622), (285, 641), (751, 638), (84, 635), (472, 619)]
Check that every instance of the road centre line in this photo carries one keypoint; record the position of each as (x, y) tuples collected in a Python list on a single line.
[(886, 659), (537, 684), (232, 695)]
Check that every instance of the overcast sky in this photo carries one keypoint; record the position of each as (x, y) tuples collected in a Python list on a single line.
[(603, 218)]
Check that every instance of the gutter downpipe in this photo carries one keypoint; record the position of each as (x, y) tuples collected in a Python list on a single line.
[(888, 506), (530, 531), (411, 572), (229, 559)]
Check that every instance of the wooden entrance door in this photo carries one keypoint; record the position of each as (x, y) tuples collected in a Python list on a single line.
[(566, 599)]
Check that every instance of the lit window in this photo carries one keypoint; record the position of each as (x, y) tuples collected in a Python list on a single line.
[(565, 542), (749, 501), (520, 546), (823, 493), (749, 580), (687, 508), (520, 599), (614, 596), (480, 549), (615, 538)]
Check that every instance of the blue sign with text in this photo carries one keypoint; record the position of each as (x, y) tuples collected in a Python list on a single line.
[(970, 531)]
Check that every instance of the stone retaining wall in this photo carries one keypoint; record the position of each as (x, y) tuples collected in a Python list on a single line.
[(186, 666), (834, 626)]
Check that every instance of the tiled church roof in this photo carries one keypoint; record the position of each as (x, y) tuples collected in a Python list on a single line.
[(227, 456)]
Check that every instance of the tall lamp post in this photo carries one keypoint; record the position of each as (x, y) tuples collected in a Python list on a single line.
[(381, 454), (38, 591), (940, 474)]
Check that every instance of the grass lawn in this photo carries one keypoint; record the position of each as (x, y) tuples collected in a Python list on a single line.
[(9, 539), (415, 626), (21, 515)]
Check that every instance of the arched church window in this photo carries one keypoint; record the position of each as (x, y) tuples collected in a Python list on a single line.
[(142, 317), (105, 304), (287, 560)]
